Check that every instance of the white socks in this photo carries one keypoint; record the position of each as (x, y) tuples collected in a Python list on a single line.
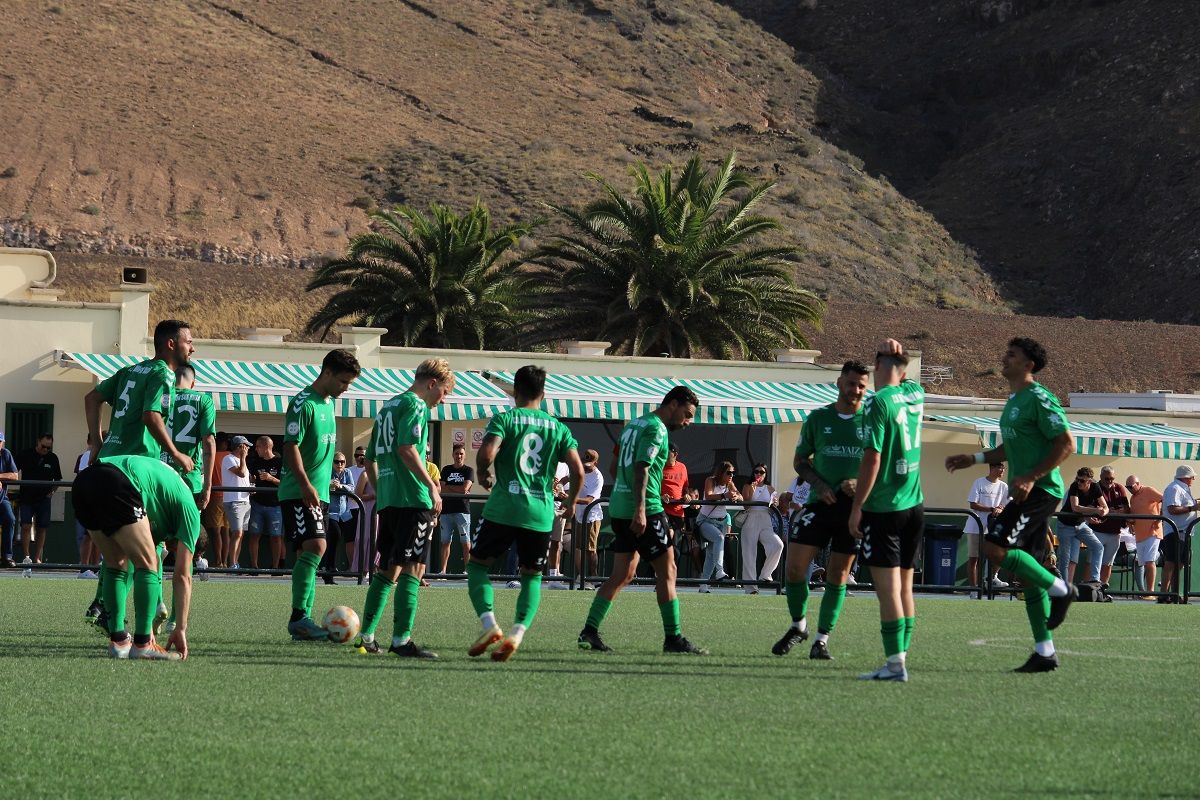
[(488, 620), (1059, 589), (1045, 648)]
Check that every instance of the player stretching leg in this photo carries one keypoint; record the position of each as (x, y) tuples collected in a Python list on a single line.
[(125, 503), (1035, 440), (888, 510), (408, 500), (526, 444), (639, 524), (309, 441), (827, 457)]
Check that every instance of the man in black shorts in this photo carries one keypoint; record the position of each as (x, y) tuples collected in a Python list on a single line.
[(827, 458), (639, 525), (1035, 441)]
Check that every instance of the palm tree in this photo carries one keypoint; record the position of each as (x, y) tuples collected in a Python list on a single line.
[(670, 270), (432, 281)]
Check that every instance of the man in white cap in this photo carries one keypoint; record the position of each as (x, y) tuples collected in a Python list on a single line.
[(1180, 508)]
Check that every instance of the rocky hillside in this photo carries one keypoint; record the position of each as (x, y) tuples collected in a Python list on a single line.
[(257, 133), (1060, 139)]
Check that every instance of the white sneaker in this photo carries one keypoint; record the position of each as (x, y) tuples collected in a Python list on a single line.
[(704, 589), (513, 585), (556, 585), (886, 673), (27, 572), (999, 584), (201, 568), (850, 581), (87, 574)]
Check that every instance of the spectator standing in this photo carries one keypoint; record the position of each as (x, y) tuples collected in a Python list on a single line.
[(213, 517), (456, 480), (1108, 529), (366, 492), (674, 485), (37, 464), (234, 472), (559, 538), (8, 520), (1147, 533), (337, 518), (1084, 502), (588, 528), (265, 466), (711, 523), (988, 496), (758, 529), (1181, 508), (435, 475), (356, 523), (88, 554)]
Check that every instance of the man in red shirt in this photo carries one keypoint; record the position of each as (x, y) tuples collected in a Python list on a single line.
[(674, 485)]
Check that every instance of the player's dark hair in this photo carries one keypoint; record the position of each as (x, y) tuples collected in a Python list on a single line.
[(1032, 350), (681, 395), (529, 382), (340, 362), (857, 367), (893, 360), (185, 373), (167, 331)]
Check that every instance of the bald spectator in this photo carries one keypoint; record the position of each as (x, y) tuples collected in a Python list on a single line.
[(1181, 509), (1147, 533), (1108, 529)]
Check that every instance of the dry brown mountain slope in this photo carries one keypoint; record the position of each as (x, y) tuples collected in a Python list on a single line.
[(1059, 138), (255, 132)]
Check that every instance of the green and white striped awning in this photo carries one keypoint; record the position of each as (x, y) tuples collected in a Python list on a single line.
[(265, 387), (1117, 440), (722, 402)]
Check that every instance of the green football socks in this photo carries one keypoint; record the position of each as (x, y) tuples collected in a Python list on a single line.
[(831, 606), (116, 593), (378, 594), (598, 612), (528, 600), (909, 624), (1037, 608), (304, 584), (1026, 567), (893, 636), (670, 616), (147, 590), (406, 608), (479, 588), (797, 599)]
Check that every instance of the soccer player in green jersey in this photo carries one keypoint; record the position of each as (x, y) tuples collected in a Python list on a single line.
[(141, 396), (526, 445), (407, 500), (828, 456), (309, 442), (888, 511), (640, 527), (1035, 440), (127, 504)]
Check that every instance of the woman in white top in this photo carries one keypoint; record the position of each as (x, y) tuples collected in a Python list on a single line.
[(757, 529), (710, 523)]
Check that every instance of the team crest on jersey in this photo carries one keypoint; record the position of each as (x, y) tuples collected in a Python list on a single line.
[(1014, 413), (166, 401), (651, 451), (293, 428), (417, 430)]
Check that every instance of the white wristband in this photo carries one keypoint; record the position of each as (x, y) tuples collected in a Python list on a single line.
[(979, 457)]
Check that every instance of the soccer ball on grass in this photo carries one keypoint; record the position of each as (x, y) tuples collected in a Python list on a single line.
[(342, 623)]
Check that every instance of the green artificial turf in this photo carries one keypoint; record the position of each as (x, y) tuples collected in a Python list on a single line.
[(254, 714)]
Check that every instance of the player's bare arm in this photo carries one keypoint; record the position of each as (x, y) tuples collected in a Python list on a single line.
[(819, 488), (181, 587), (485, 458), (868, 472), (308, 492), (415, 462), (641, 478), (966, 460)]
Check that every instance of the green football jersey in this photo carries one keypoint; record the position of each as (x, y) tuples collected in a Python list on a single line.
[(403, 420), (132, 391), (892, 427), (1032, 420), (192, 419), (643, 440), (311, 424), (532, 443), (168, 502), (833, 443)]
